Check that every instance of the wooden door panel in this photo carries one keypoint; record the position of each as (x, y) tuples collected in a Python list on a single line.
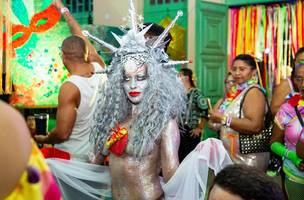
[(214, 70), (211, 48), (211, 51), (213, 36)]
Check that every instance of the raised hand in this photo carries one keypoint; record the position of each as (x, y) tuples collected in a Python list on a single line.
[(58, 4)]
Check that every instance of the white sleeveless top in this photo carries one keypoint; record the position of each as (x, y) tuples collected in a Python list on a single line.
[(78, 143)]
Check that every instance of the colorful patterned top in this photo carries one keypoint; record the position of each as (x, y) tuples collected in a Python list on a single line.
[(286, 119), (36, 182), (196, 108)]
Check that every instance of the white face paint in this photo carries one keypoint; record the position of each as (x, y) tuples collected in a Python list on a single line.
[(135, 81)]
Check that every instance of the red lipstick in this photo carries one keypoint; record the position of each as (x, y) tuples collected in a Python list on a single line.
[(134, 94)]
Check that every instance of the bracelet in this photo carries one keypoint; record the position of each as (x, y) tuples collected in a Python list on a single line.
[(224, 120), (228, 121), (64, 10)]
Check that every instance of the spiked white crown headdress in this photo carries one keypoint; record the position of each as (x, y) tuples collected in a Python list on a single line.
[(134, 45)]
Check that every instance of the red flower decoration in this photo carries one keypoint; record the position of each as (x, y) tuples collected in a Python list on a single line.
[(118, 141), (232, 95), (118, 147), (294, 100)]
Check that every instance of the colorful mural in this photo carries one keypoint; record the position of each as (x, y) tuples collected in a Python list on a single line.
[(35, 63), (33, 33)]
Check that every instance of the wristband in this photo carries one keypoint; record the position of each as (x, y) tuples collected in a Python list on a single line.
[(64, 10), (228, 121)]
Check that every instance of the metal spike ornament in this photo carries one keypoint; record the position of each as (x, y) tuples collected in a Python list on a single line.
[(132, 16), (99, 41), (166, 31), (134, 46)]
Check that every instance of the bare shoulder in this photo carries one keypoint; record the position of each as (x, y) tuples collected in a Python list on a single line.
[(172, 123), (68, 86), (171, 128), (255, 92), (68, 91), (256, 96)]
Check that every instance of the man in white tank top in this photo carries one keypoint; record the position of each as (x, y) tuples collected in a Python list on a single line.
[(76, 104), (76, 100)]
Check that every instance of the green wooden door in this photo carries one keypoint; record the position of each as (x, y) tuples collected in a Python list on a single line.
[(156, 10), (211, 50)]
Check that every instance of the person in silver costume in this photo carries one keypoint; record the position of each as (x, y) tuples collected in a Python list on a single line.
[(145, 99), (136, 119)]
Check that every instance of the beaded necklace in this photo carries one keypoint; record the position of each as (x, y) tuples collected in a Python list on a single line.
[(234, 92)]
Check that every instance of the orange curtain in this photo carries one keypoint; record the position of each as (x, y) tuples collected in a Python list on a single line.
[(5, 46)]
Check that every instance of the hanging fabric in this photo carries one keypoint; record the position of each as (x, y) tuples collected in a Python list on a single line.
[(273, 33)]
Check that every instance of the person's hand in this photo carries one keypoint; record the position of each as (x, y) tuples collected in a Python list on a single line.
[(210, 124), (214, 126), (195, 132), (215, 116), (58, 4), (41, 138)]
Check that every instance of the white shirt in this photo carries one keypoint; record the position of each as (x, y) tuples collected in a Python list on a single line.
[(78, 143)]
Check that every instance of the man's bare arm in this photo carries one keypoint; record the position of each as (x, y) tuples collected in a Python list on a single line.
[(76, 30), (68, 100)]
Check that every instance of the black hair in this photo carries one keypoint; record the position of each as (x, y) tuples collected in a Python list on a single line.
[(157, 30), (298, 53), (74, 47), (188, 72), (248, 59), (252, 62), (248, 183)]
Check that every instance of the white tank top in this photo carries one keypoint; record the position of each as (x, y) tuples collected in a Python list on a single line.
[(78, 143)]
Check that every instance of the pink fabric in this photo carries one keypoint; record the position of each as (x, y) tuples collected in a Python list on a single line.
[(52, 192), (287, 118)]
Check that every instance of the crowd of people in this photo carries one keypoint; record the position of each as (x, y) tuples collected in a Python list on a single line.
[(133, 129)]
